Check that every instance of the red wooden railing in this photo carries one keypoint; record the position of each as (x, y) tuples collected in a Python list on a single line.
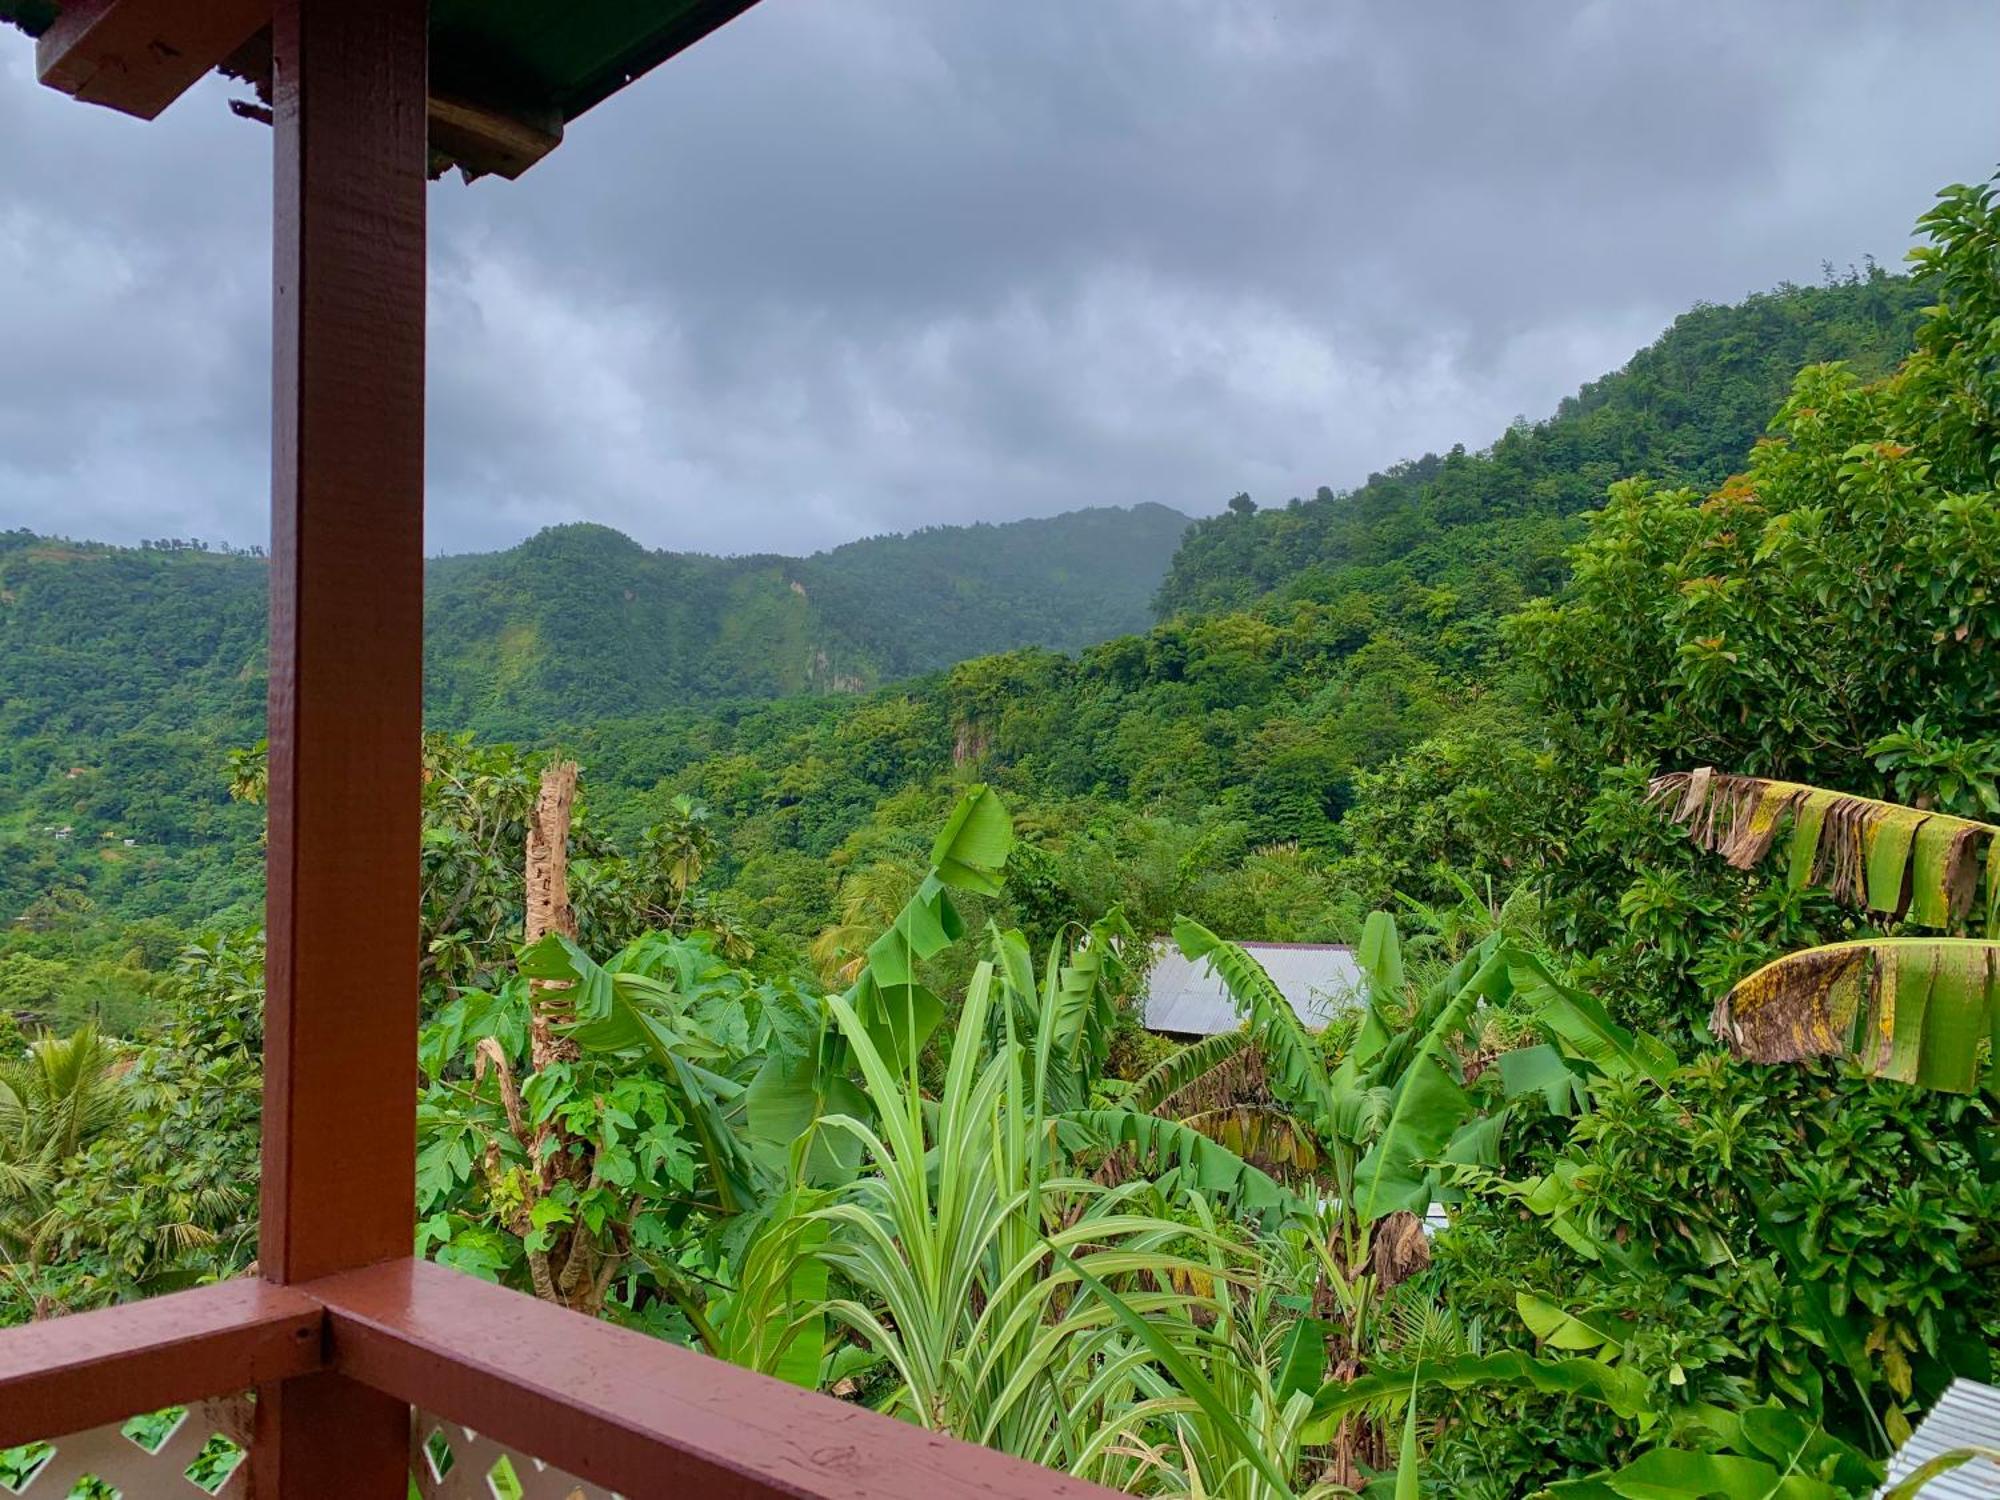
[(341, 1334), (611, 1407)]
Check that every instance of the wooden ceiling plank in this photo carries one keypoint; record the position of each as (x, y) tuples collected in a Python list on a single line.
[(482, 140), (138, 56)]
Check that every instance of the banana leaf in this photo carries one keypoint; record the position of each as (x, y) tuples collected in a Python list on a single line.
[(1582, 1027), (1429, 1106), (1911, 1009), (1381, 958), (1077, 1011), (1302, 1360), (1268, 1137), (1887, 858), (973, 848), (1175, 1146), (1541, 1070), (1292, 1060), (1623, 1391), (1181, 1071)]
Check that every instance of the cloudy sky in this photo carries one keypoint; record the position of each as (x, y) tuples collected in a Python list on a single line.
[(852, 266)]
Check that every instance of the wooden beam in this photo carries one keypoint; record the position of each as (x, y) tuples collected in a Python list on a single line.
[(138, 56), (640, 1416), (347, 500), (69, 1374), (481, 140)]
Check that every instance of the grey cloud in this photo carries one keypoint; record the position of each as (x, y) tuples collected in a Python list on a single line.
[(860, 266)]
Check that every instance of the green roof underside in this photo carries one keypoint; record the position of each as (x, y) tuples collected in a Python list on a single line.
[(529, 56)]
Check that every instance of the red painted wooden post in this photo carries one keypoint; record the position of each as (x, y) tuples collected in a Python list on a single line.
[(346, 703)]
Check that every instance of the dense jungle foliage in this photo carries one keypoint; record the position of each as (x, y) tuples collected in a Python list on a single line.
[(126, 673), (1659, 1158)]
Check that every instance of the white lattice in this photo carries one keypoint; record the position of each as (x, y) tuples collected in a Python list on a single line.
[(116, 1460), (450, 1462)]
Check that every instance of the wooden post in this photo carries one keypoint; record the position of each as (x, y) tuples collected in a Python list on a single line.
[(346, 701)]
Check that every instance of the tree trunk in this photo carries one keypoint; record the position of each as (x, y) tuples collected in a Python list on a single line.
[(547, 898), (567, 1273)]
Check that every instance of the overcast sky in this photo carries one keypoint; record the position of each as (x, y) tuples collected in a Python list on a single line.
[(853, 266)]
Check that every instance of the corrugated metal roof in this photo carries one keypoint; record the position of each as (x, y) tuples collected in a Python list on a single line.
[(1966, 1416), (1187, 999)]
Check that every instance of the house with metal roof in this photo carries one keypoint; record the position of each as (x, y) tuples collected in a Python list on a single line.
[(1966, 1417), (1186, 998)]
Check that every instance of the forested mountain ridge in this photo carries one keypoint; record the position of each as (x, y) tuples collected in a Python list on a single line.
[(579, 620), (1683, 411), (125, 673), (98, 640)]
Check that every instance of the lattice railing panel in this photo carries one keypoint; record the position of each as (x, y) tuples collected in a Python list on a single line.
[(450, 1462), (189, 1451)]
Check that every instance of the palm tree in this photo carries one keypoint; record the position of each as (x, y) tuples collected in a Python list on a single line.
[(53, 1102), (870, 897)]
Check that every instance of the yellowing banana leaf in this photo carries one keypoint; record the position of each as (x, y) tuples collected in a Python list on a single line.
[(1911, 1009), (1203, 1073), (1268, 1138), (1888, 858)]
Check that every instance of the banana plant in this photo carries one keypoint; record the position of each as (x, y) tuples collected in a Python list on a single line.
[(691, 1094), (1919, 1010), (1397, 1108)]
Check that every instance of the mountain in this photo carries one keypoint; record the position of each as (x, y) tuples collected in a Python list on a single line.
[(1327, 628), (576, 623), (581, 623), (125, 672), (1682, 411)]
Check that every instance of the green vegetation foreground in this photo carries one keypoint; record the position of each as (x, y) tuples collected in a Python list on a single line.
[(949, 1179)]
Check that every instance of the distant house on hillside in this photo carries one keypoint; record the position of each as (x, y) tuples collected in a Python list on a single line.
[(1185, 999)]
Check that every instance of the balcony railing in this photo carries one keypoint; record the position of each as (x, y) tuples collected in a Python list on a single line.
[(510, 1396)]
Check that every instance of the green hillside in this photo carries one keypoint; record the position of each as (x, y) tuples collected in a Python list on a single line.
[(126, 672), (1685, 410), (580, 622)]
